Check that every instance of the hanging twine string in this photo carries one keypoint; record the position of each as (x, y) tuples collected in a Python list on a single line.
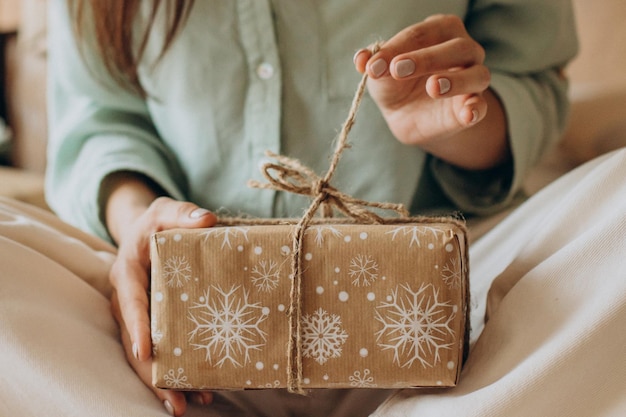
[(291, 175)]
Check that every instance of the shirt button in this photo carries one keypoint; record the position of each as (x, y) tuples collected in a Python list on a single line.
[(265, 71)]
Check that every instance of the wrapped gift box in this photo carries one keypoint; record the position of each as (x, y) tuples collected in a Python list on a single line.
[(382, 306)]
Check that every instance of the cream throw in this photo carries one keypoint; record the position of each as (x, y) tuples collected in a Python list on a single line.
[(552, 277)]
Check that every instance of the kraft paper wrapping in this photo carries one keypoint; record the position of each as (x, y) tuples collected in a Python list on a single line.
[(383, 306)]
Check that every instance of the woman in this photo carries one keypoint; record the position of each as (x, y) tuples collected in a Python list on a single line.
[(180, 100)]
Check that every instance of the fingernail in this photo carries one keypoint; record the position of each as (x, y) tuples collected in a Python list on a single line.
[(444, 85), (378, 67), (199, 212), (405, 67), (136, 350), (198, 398), (168, 406), (475, 116), (356, 54)]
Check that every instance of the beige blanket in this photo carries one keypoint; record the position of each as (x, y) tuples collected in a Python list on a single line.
[(552, 278), (555, 340)]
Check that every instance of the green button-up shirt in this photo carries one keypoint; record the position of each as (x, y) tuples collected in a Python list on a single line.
[(246, 76)]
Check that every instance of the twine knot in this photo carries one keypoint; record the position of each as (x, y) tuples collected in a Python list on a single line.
[(320, 188)]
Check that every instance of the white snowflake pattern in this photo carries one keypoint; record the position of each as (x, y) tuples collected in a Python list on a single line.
[(226, 234), (155, 332), (362, 379), (227, 326), (270, 385), (319, 232), (322, 336), (363, 270), (265, 275), (176, 271), (176, 379), (414, 233), (156, 335), (416, 325), (451, 274)]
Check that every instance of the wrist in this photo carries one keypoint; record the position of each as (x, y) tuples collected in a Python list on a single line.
[(124, 196), (476, 147)]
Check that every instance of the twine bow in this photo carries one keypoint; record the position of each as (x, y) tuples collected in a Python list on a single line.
[(291, 175)]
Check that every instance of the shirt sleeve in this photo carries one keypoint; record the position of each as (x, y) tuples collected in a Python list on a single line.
[(528, 43), (96, 128)]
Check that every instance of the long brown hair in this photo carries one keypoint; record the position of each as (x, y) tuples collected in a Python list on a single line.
[(114, 33)]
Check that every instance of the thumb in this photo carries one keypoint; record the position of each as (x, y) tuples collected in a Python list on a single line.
[(201, 217), (172, 214)]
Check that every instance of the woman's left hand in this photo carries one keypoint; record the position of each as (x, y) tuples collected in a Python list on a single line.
[(430, 83)]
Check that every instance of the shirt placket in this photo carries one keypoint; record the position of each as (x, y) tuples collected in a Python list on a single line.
[(263, 101)]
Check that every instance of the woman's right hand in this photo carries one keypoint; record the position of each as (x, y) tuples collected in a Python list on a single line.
[(133, 214), (431, 84)]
